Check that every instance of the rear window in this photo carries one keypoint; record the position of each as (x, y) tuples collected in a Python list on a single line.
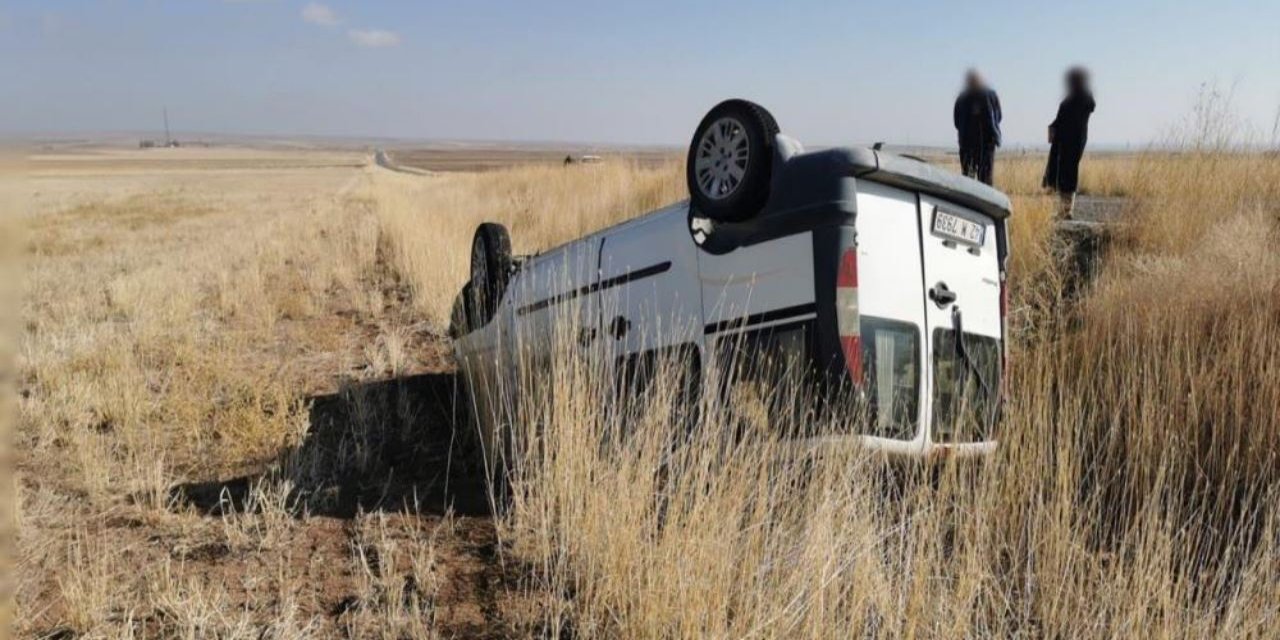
[(891, 364), (965, 390)]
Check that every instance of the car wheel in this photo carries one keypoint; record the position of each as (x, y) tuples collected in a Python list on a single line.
[(490, 271), (730, 161)]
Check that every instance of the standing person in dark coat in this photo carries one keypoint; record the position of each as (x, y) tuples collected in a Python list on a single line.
[(1067, 137), (977, 118)]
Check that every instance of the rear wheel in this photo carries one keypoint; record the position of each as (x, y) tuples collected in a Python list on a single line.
[(730, 161), (490, 271)]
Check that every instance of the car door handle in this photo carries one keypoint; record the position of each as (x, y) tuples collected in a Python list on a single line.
[(941, 295), (619, 327)]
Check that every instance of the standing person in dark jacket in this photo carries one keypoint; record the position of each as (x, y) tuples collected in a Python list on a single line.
[(977, 117), (1067, 137)]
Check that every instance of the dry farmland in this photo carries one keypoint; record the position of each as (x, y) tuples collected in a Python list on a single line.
[(210, 440), (476, 157), (236, 418)]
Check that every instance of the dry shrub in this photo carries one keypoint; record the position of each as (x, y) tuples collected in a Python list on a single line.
[(1180, 342), (1036, 277), (1183, 196), (397, 584), (86, 589)]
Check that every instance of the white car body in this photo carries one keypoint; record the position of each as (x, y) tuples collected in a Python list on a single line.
[(649, 286)]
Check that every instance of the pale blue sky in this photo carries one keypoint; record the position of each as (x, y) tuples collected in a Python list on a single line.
[(642, 72)]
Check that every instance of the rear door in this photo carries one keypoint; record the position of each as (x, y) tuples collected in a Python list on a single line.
[(961, 266), (891, 303)]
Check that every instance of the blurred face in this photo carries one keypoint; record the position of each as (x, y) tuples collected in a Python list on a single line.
[(972, 80), (1077, 80)]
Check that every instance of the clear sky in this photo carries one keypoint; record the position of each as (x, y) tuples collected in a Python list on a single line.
[(639, 72)]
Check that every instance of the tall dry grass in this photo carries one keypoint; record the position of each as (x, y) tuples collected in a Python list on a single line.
[(122, 300), (11, 239), (1133, 493), (172, 337)]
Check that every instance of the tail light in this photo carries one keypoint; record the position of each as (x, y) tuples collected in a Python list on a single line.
[(847, 316)]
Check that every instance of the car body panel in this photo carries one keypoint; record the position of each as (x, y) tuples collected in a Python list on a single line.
[(650, 299), (770, 277)]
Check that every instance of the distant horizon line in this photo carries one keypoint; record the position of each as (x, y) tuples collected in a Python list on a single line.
[(118, 136)]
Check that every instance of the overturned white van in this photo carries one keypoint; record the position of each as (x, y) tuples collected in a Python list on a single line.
[(884, 277)]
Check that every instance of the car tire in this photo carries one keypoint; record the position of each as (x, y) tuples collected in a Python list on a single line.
[(730, 161), (490, 271)]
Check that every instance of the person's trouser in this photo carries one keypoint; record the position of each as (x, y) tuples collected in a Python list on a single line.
[(978, 162)]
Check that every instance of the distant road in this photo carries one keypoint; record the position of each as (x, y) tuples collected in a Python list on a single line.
[(381, 159)]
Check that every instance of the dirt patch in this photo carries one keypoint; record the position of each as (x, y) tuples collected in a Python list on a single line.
[(413, 477)]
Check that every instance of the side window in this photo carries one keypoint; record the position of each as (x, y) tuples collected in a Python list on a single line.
[(669, 379), (768, 374), (891, 364)]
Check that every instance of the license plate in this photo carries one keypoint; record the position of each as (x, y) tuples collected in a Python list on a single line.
[(960, 229)]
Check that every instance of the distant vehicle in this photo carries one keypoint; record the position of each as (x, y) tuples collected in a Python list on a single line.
[(587, 159), (884, 279)]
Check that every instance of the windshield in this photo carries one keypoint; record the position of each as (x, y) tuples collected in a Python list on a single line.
[(965, 393), (891, 361)]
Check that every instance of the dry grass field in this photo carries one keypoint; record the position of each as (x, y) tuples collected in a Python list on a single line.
[(474, 160), (236, 418), (207, 445), (478, 157)]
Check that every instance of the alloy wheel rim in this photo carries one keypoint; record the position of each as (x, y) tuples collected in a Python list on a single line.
[(720, 164)]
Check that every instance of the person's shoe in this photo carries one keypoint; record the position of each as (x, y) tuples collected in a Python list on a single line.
[(1066, 206)]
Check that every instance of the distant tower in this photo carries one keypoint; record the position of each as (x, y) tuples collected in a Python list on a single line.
[(168, 140)]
